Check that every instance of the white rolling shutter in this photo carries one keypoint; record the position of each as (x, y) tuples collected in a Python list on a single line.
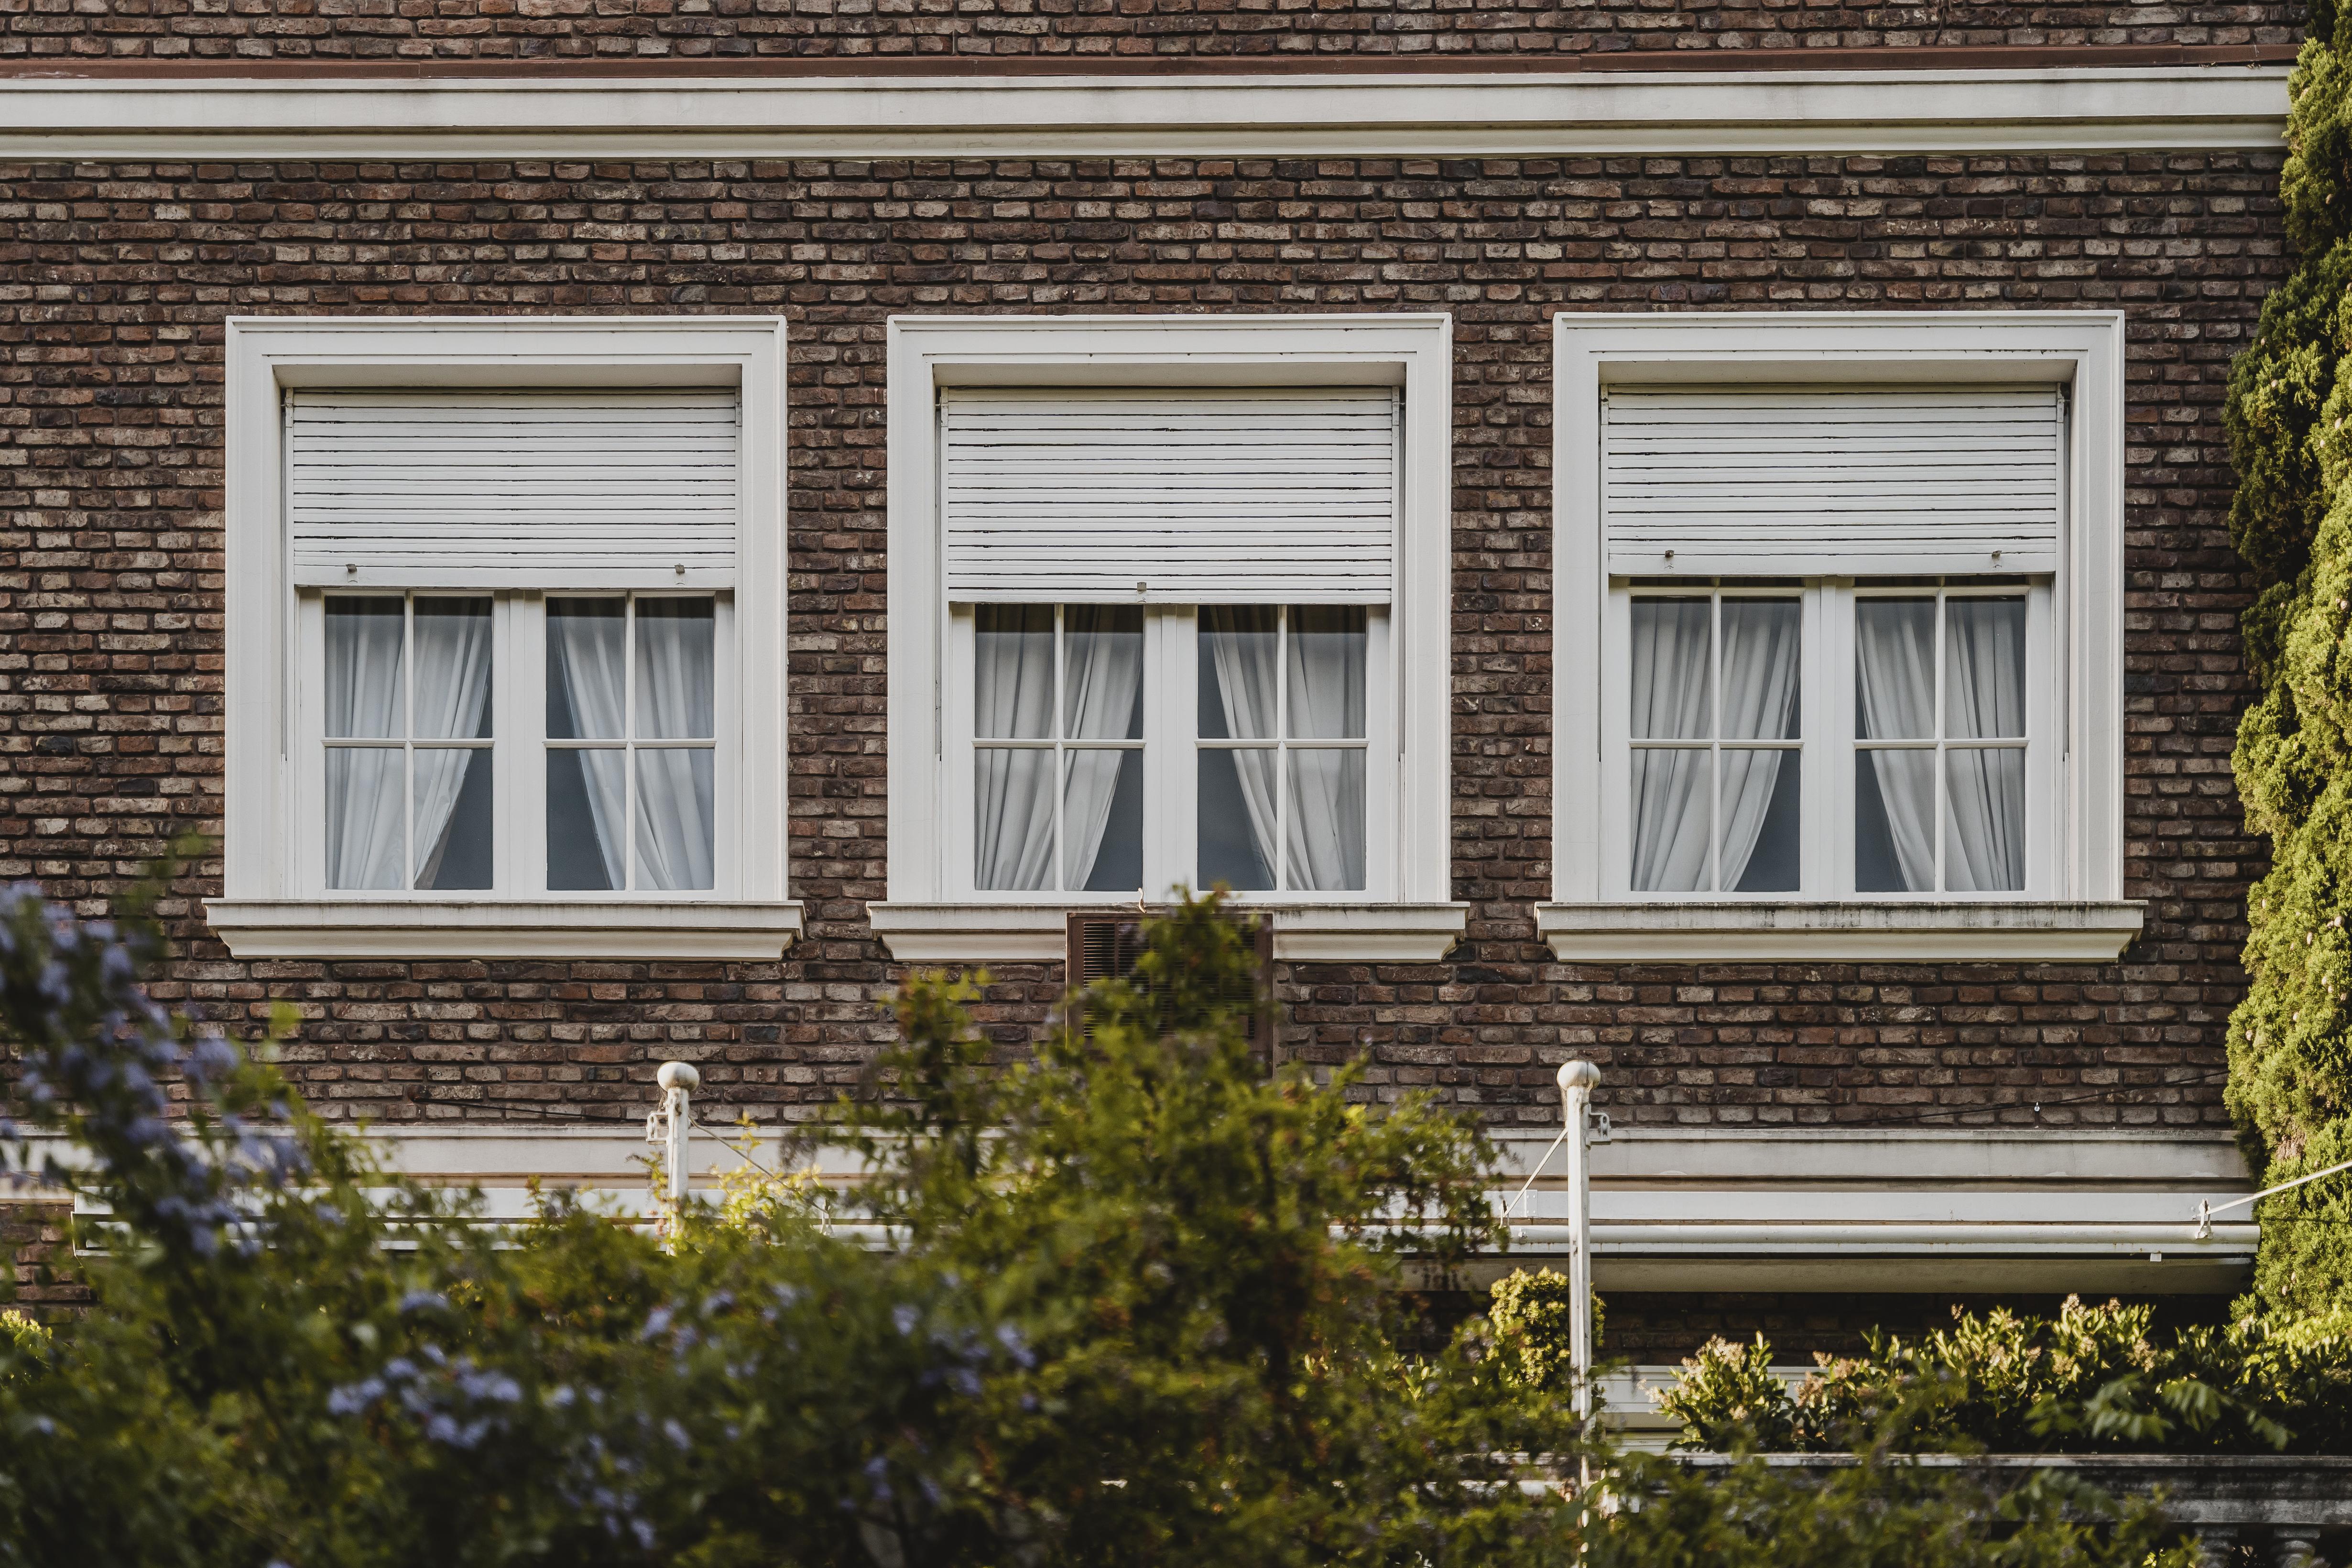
[(1190, 496), (1843, 481), (512, 488)]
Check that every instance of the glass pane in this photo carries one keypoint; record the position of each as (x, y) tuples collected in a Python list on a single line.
[(1102, 685), (586, 804), (366, 846), (674, 673), (1102, 822), (1894, 670), (587, 681), (1984, 668), (675, 837), (1237, 819), (1761, 661), (1984, 820), (364, 692), (1327, 672), (1326, 829), (1894, 822), (1239, 658), (1759, 811), (1673, 693), (1671, 821), (453, 667), (453, 812), (1014, 690), (1013, 819)]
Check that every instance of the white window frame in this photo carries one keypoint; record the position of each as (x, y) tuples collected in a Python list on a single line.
[(931, 914), (2073, 908), (273, 902)]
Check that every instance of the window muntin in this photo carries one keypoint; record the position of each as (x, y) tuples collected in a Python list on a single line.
[(407, 743)]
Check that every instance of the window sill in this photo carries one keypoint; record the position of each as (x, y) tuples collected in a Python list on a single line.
[(544, 929), (1890, 932), (1033, 933)]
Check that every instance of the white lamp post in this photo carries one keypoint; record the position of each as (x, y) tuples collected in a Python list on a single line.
[(666, 1129), (1576, 1081)]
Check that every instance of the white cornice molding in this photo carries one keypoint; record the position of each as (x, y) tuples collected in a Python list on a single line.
[(1737, 113)]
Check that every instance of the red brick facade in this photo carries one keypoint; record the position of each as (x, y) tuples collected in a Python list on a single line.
[(114, 280)]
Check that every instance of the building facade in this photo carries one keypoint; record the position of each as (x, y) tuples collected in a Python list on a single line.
[(1688, 538)]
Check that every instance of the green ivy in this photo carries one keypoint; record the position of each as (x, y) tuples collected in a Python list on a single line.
[(2290, 426)]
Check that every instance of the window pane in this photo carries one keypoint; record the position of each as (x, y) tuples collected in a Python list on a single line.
[(1102, 684), (1327, 672), (586, 682), (1894, 670), (1984, 823), (674, 673), (453, 810), (1758, 810), (1673, 694), (1326, 829), (1984, 668), (1014, 690), (1670, 821), (674, 840), (1102, 822), (1013, 819), (1239, 668), (364, 692), (453, 667), (1237, 819), (586, 805), (1894, 822), (366, 805), (1762, 642)]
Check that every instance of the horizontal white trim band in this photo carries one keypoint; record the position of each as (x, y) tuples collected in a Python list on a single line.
[(1847, 932), (510, 929), (1036, 933), (1741, 113)]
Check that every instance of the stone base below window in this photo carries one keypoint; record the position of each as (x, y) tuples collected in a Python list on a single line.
[(1845, 933), (542, 929)]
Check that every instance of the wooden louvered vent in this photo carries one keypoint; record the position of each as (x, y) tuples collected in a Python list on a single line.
[(1104, 945)]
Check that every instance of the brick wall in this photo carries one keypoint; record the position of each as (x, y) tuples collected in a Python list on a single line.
[(114, 281), (723, 29)]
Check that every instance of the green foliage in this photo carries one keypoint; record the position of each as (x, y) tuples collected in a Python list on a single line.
[(1533, 1319), (2290, 422), (1729, 1399)]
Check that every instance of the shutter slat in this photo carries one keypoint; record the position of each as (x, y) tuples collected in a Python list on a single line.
[(514, 488), (1206, 496), (1791, 481)]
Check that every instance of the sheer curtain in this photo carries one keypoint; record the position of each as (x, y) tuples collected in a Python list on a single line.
[(1984, 689), (1894, 679), (676, 835), (1248, 656), (1013, 807), (1325, 828), (584, 655), (1669, 702), (453, 690), (366, 846), (1103, 647), (1762, 639)]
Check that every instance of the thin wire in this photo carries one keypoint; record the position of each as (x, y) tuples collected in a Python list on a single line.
[(1536, 1172)]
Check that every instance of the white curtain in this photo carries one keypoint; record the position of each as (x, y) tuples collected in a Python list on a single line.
[(1670, 701), (1248, 657), (453, 687), (676, 835), (1013, 807), (1104, 649), (1984, 689), (586, 653), (1761, 644), (1326, 829), (1894, 679), (366, 846)]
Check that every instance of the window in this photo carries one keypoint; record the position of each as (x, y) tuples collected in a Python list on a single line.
[(1191, 627), (1839, 636), (506, 651)]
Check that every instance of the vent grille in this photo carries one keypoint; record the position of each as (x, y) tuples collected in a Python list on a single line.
[(1105, 945)]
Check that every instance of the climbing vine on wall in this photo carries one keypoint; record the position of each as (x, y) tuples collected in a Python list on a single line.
[(2290, 424)]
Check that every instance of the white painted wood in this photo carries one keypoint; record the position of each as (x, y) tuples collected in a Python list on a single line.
[(1809, 480), (528, 487), (1908, 931), (1223, 112), (1169, 495)]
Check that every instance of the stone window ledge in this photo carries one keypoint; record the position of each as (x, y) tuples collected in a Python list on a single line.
[(1033, 933), (1892, 931), (505, 927)]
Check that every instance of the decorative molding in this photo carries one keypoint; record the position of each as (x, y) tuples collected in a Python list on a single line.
[(1576, 113), (503, 929), (1035, 934), (1857, 932)]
